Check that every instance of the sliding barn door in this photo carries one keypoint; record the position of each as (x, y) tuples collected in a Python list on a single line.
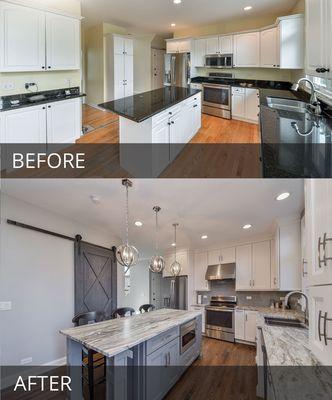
[(95, 278)]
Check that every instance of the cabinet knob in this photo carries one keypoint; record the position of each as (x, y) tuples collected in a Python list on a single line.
[(44, 108), (49, 67), (173, 122), (43, 67), (49, 106)]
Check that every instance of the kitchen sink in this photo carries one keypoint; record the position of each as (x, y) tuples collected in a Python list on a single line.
[(287, 323), (287, 104)]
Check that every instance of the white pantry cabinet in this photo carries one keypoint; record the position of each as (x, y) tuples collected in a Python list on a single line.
[(320, 324), (33, 40), (318, 38), (245, 325), (58, 122), (319, 231), (245, 104), (247, 50), (200, 267)]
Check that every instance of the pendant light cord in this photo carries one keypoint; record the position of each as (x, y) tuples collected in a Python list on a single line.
[(127, 215), (157, 229), (175, 241)]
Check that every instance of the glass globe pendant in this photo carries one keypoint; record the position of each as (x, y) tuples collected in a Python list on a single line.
[(157, 263), (176, 266), (127, 255)]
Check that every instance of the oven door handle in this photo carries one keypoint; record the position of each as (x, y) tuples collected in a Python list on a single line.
[(213, 309), (226, 87)]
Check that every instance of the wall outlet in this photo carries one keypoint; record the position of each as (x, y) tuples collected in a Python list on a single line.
[(249, 298), (26, 361), (68, 82), (205, 296), (5, 305), (8, 86)]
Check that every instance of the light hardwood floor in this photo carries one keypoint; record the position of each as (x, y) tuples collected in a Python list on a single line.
[(214, 130)]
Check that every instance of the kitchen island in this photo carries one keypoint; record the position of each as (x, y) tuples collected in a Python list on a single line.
[(145, 354), (155, 126)]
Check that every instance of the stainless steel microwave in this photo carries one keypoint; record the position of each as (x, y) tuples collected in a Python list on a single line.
[(219, 61)]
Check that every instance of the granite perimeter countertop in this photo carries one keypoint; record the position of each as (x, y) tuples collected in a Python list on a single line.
[(117, 335), (245, 83), (143, 106)]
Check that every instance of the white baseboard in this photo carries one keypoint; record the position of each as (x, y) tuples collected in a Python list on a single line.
[(42, 369)]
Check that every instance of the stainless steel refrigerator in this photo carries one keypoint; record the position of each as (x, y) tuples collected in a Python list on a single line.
[(175, 292), (177, 69)]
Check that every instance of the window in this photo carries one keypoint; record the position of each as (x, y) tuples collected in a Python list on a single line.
[(127, 281), (323, 85)]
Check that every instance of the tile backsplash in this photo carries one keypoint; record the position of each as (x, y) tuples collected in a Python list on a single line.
[(258, 299)]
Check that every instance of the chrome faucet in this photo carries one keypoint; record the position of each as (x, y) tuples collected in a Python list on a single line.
[(314, 102), (306, 313)]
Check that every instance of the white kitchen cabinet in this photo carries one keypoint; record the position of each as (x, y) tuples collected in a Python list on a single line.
[(247, 50), (318, 38), (320, 324), (63, 47), (288, 240), (291, 42), (274, 266), (34, 40), (245, 325), (200, 47), (202, 311), (160, 135), (245, 104), (244, 267), (269, 52), (200, 267), (182, 257), (25, 125), (178, 46), (226, 44), (64, 121), (22, 39), (319, 231), (261, 265), (212, 45), (119, 67), (223, 256)]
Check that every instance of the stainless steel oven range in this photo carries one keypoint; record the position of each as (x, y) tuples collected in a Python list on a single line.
[(220, 318), (217, 100)]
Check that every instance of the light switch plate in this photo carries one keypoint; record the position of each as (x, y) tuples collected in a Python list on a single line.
[(8, 86), (249, 298), (5, 305)]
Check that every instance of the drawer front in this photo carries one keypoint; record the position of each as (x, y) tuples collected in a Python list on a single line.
[(159, 341), (164, 115), (238, 90)]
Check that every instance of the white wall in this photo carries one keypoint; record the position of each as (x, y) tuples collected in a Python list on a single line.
[(37, 275), (140, 286)]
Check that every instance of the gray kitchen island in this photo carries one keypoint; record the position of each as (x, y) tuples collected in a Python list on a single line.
[(145, 354)]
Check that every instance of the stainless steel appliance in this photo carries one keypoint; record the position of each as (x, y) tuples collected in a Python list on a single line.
[(220, 318), (219, 61), (177, 69), (217, 100), (220, 272), (175, 292), (187, 335)]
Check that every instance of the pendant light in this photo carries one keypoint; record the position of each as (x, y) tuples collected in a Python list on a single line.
[(157, 263), (175, 267), (127, 255)]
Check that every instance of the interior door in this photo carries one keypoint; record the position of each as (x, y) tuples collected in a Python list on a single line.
[(158, 68), (22, 38), (95, 278), (62, 42)]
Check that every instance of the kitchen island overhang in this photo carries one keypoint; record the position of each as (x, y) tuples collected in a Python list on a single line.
[(165, 120), (152, 346)]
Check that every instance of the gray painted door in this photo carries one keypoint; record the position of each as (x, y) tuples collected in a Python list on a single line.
[(95, 278)]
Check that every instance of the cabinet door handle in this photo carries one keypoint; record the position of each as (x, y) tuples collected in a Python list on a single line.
[(250, 283), (322, 70), (173, 122), (253, 283), (275, 281)]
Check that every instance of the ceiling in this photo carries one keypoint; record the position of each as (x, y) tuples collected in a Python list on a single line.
[(217, 208), (156, 16)]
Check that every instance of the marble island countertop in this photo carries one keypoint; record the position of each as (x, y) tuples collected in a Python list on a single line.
[(112, 337)]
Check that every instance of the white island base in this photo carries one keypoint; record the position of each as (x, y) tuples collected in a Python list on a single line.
[(162, 137)]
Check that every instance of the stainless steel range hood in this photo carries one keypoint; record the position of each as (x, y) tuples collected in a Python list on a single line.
[(220, 272)]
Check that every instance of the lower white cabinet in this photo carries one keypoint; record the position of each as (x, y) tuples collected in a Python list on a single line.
[(320, 323), (202, 311), (245, 104), (246, 325), (58, 122)]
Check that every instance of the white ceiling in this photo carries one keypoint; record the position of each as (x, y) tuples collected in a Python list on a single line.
[(155, 16), (218, 208)]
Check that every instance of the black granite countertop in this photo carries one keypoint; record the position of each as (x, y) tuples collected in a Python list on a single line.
[(295, 144), (18, 101), (142, 106), (246, 83)]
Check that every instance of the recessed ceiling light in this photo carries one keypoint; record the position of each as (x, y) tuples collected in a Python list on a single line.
[(138, 223), (95, 199), (173, 24), (177, 1), (173, 244), (248, 8), (283, 196), (204, 237), (247, 226)]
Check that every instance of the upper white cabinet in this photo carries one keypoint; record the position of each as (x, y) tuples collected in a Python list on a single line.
[(247, 50), (319, 231), (22, 39), (178, 46), (288, 248), (212, 45), (261, 264), (269, 48), (244, 267), (36, 40), (291, 42), (182, 257), (200, 267), (219, 45), (318, 38), (200, 46), (223, 256)]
